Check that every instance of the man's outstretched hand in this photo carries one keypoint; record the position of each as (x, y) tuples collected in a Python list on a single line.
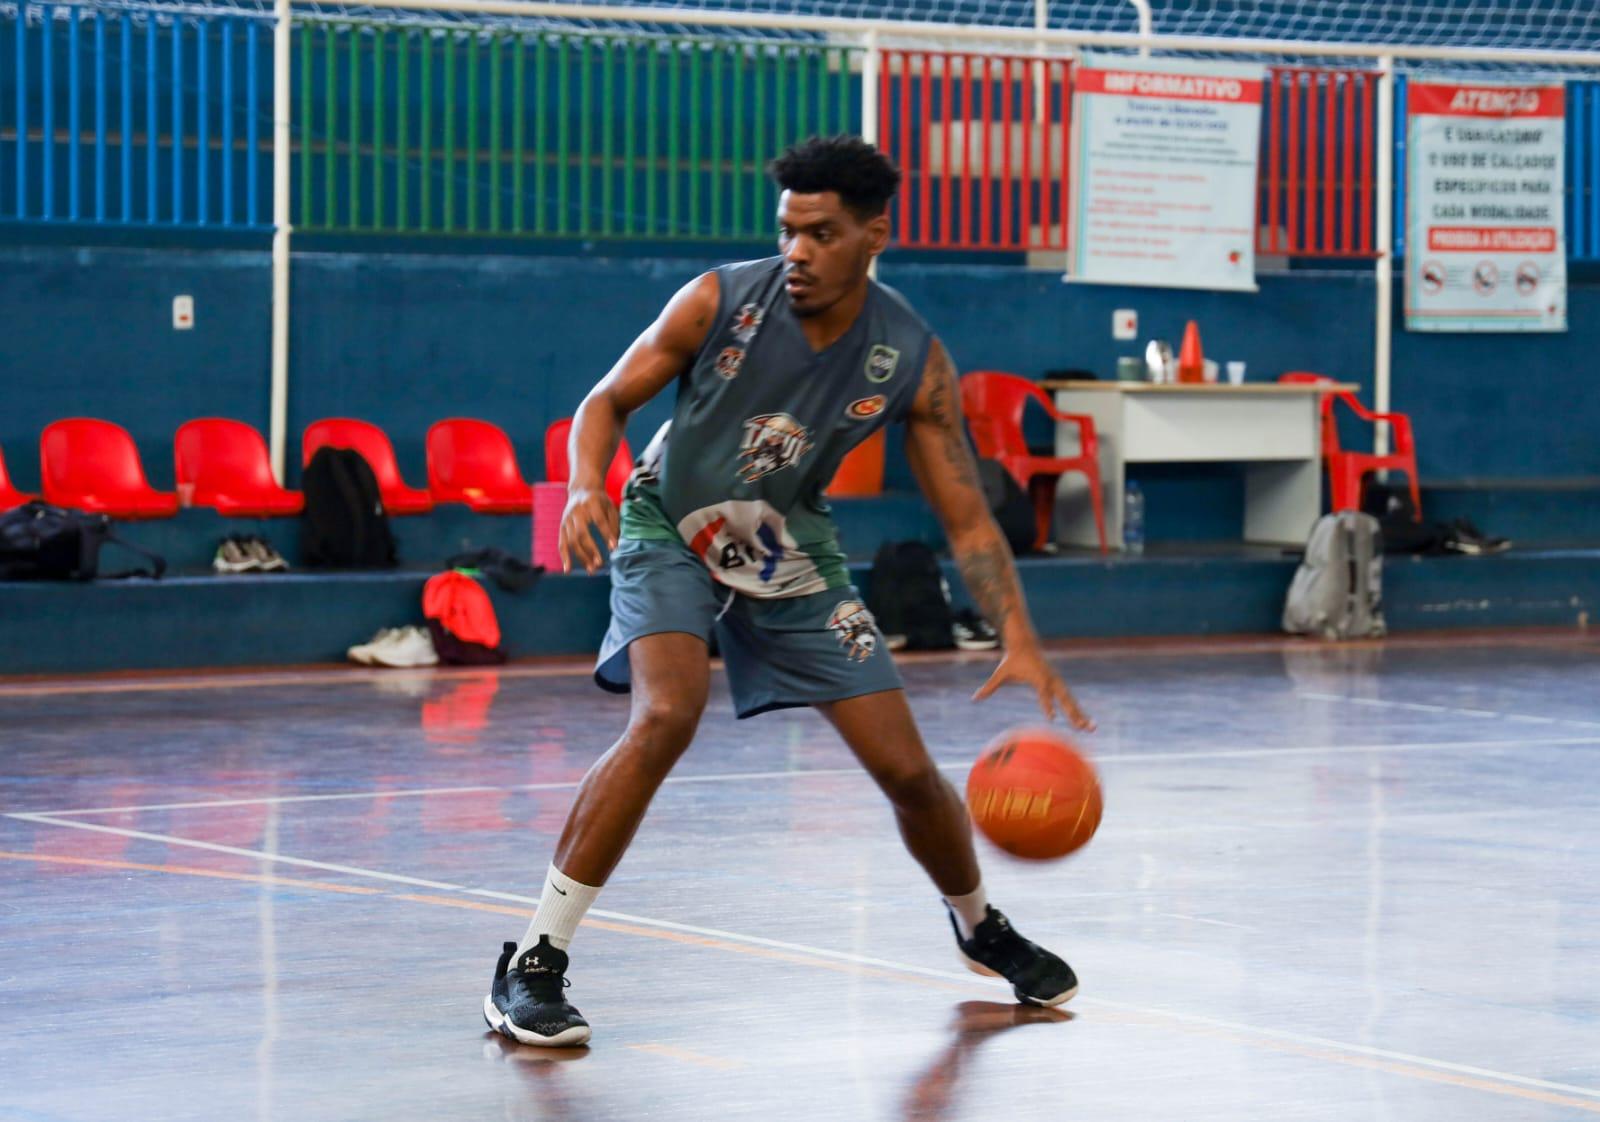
[(1027, 666)]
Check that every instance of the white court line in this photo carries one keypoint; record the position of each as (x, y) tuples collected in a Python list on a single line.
[(838, 956), (813, 773), (1202, 919), (1421, 707)]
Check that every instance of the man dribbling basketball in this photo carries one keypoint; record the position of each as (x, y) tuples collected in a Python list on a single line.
[(783, 366)]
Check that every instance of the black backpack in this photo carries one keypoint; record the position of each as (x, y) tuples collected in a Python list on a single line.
[(43, 542), (907, 595), (1403, 531), (345, 526), (1012, 511)]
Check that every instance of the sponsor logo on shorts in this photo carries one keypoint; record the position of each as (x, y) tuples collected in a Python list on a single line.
[(729, 362), (881, 361), (867, 407), (853, 624), (746, 545), (772, 442), (746, 322)]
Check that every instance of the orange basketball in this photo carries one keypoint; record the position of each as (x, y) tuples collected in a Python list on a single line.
[(1034, 795)]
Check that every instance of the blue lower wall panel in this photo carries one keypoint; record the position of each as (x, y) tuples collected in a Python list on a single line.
[(251, 620), (189, 540), (1523, 588), (299, 618)]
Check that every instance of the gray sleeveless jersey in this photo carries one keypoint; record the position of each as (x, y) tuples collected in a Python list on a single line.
[(759, 428)]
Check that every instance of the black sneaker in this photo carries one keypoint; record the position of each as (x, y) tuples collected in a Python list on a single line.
[(1467, 538), (1036, 976), (527, 1003), (972, 632)]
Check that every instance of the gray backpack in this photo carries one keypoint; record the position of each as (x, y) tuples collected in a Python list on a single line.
[(1337, 592)]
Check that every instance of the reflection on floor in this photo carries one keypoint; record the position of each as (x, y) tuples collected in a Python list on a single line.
[(1332, 883)]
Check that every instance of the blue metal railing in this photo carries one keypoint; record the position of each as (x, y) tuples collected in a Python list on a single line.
[(83, 79), (132, 118)]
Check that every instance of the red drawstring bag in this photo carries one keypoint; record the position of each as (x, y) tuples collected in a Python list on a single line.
[(462, 620)]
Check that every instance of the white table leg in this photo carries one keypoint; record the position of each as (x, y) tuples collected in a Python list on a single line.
[(1282, 501), (1074, 514)]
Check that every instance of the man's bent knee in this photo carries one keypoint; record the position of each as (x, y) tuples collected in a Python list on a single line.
[(915, 789), (662, 731)]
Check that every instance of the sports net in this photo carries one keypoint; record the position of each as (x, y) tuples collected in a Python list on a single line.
[(1501, 24), (1504, 25)]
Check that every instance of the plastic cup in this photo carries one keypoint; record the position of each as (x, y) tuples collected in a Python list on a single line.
[(1235, 373)]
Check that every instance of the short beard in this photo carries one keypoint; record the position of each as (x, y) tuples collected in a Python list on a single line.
[(806, 313)]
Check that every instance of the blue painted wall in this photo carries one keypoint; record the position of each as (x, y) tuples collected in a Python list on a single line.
[(404, 340)]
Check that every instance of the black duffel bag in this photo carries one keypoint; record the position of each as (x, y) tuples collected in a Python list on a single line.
[(43, 542)]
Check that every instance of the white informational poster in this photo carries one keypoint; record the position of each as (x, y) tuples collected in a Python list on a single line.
[(1164, 172), (1485, 227)]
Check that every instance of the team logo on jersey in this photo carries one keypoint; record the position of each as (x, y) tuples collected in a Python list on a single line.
[(746, 322), (867, 407), (772, 442), (881, 361), (853, 624), (729, 362)]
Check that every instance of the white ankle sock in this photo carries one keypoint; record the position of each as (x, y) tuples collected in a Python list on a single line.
[(561, 909), (969, 909)]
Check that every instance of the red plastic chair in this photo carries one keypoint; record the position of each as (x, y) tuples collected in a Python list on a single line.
[(473, 462), (94, 466), (374, 446), (1346, 470), (994, 403), (226, 463), (9, 495), (557, 470)]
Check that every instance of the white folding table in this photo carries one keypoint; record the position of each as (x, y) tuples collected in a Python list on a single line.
[(1273, 428)]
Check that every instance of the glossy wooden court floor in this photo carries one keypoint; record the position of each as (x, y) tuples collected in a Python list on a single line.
[(1332, 883)]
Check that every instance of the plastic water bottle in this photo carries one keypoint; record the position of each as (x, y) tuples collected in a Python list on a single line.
[(1133, 518)]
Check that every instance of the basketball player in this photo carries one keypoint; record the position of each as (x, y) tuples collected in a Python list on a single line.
[(782, 366)]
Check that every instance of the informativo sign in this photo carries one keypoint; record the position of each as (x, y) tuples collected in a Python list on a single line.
[(1485, 229), (1164, 172)]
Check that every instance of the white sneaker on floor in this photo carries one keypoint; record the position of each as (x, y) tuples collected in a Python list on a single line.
[(410, 646), (362, 652)]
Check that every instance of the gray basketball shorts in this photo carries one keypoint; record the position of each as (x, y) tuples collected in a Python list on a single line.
[(779, 654)]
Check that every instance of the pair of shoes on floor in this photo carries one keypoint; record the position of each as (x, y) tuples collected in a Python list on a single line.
[(972, 632), (1463, 537), (528, 1003), (968, 630), (399, 647), (247, 553)]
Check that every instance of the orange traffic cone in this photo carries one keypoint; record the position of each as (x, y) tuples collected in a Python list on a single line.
[(1191, 362)]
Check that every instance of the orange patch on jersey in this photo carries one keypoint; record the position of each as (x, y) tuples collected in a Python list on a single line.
[(867, 406)]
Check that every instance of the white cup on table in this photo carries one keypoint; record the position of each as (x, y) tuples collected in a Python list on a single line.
[(1236, 373)]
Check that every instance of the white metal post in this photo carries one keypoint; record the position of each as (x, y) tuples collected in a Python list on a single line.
[(871, 62), (871, 67), (1146, 25), (1383, 205), (279, 415)]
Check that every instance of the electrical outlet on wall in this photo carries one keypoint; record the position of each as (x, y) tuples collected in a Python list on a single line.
[(1124, 324), (182, 313)]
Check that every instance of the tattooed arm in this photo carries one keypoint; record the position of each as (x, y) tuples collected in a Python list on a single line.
[(936, 445)]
